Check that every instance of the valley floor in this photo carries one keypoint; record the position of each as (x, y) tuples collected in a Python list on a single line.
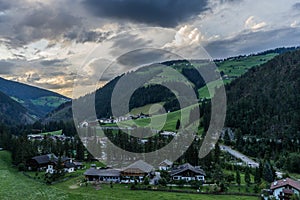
[(15, 185)]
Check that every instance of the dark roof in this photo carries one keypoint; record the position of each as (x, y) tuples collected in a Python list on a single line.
[(64, 159), (44, 159), (102, 172), (185, 167), (77, 163), (69, 164), (285, 182), (139, 165)]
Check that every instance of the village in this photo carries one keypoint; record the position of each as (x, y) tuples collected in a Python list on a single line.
[(140, 172)]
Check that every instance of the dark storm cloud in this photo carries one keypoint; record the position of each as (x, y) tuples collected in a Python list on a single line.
[(45, 23), (54, 62), (296, 6), (129, 40), (166, 13), (254, 42), (145, 56), (87, 36), (125, 42), (4, 5), (6, 67)]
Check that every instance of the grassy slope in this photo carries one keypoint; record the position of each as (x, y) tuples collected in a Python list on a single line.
[(59, 132), (49, 101), (168, 120), (234, 68), (147, 109), (239, 66), (14, 185)]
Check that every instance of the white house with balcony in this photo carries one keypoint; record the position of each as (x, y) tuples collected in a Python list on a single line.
[(285, 188)]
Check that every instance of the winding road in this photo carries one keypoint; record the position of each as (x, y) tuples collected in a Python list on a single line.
[(248, 161)]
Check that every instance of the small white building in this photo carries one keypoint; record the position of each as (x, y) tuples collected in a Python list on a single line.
[(69, 166), (50, 169), (285, 188), (165, 165), (167, 134)]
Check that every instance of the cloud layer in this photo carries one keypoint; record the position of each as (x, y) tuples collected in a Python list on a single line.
[(165, 13), (44, 42)]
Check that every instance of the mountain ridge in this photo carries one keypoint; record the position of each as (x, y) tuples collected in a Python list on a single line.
[(37, 101), (12, 112)]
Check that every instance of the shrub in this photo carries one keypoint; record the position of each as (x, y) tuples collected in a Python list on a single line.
[(21, 167)]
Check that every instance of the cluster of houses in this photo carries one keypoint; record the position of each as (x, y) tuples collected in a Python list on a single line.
[(48, 163), (282, 189), (41, 137), (138, 170), (113, 120)]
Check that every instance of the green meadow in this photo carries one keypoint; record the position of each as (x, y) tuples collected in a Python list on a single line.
[(15, 185)]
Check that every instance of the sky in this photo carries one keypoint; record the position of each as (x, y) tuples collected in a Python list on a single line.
[(52, 44)]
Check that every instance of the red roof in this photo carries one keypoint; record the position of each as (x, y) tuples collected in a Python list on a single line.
[(285, 182)]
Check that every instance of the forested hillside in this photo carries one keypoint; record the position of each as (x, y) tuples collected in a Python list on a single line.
[(13, 113), (264, 109), (265, 101), (36, 100)]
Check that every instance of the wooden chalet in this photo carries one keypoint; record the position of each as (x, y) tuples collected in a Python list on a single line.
[(40, 162), (46, 162), (106, 175), (136, 171), (188, 172)]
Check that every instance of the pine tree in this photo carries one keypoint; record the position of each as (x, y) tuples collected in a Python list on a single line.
[(239, 140), (257, 177), (247, 176), (217, 153), (79, 150), (238, 177), (178, 124), (226, 138), (268, 173)]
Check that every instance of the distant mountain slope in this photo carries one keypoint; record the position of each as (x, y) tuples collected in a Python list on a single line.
[(36, 100), (12, 112), (231, 68), (61, 113), (265, 102)]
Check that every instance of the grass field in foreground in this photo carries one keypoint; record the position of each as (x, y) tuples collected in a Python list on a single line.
[(14, 185)]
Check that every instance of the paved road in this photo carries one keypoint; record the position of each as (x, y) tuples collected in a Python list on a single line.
[(244, 158)]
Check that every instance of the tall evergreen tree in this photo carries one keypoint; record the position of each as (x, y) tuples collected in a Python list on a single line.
[(79, 150), (238, 177), (247, 176), (217, 153), (257, 176), (178, 124), (267, 172), (226, 138)]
